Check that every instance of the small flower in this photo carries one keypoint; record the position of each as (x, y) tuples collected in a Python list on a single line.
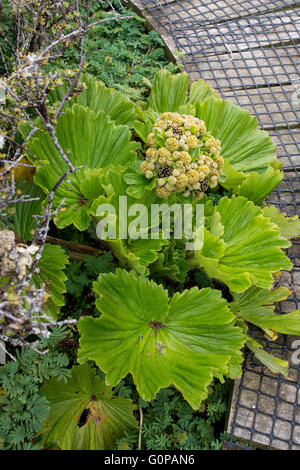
[(164, 171), (144, 167), (204, 185), (204, 169), (193, 176), (162, 160), (198, 195), (151, 166), (214, 172), (161, 181), (163, 152), (172, 144), (192, 142), (202, 128), (188, 123), (182, 180), (169, 133), (185, 158), (209, 161), (167, 115), (162, 192), (169, 187), (149, 174), (151, 140), (160, 123), (151, 153), (177, 119), (179, 188), (172, 180)]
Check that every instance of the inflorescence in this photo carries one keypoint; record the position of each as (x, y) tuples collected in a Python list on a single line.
[(182, 156)]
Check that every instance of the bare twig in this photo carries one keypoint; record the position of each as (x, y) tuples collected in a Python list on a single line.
[(42, 33)]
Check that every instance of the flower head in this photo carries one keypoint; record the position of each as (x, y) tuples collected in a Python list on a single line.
[(182, 156)]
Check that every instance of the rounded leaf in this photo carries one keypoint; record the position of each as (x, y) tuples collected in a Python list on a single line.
[(184, 342), (247, 249), (84, 414)]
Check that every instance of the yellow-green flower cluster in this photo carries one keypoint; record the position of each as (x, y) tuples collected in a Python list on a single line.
[(182, 156)]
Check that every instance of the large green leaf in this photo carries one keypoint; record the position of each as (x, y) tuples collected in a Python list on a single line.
[(257, 186), (79, 198), (172, 93), (199, 91), (51, 273), (185, 341), (289, 226), (169, 91), (241, 246), (88, 139), (84, 415), (97, 96), (245, 147), (257, 306)]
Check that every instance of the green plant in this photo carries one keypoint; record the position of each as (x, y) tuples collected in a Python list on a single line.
[(87, 137), (124, 55), (23, 408), (169, 422), (91, 146), (243, 242), (80, 276), (185, 341), (84, 414), (250, 165), (244, 257)]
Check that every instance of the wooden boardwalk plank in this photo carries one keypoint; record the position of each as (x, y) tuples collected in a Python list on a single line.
[(288, 146), (255, 405), (237, 35), (210, 11), (286, 198), (266, 66), (273, 106)]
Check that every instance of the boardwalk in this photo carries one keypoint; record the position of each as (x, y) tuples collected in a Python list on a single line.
[(247, 50)]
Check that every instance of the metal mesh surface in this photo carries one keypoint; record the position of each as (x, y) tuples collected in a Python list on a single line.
[(247, 50)]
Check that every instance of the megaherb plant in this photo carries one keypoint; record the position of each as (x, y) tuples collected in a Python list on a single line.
[(186, 146)]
